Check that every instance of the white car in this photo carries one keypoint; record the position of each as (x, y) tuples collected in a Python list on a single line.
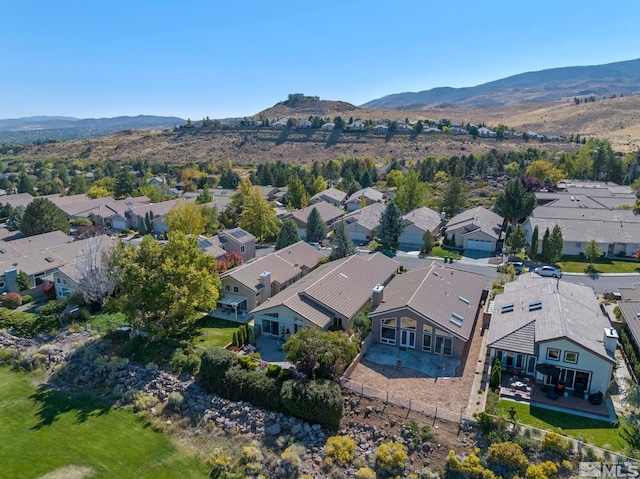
[(551, 271)]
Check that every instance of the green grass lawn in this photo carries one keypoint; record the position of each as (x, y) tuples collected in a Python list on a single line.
[(44, 430), (576, 264), (592, 431), (107, 322), (212, 332), (440, 252)]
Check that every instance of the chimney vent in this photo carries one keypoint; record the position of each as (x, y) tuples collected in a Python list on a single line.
[(377, 295)]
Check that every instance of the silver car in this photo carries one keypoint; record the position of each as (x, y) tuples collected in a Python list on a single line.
[(547, 270)]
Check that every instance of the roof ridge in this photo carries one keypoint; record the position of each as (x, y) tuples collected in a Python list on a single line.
[(533, 320)]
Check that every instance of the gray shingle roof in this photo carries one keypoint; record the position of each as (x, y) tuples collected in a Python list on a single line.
[(369, 193), (630, 308), (328, 212), (238, 235), (477, 218), (435, 293), (424, 218), (332, 193), (585, 229), (570, 311), (367, 217), (21, 199)]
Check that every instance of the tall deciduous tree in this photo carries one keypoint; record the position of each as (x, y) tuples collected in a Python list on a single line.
[(288, 235), (390, 225), (316, 228), (412, 193), (454, 198), (163, 288), (205, 196), (592, 251), (42, 216), (96, 279), (186, 217), (25, 185), (533, 250), (296, 192), (98, 192), (319, 184), (257, 217), (342, 245), (515, 202), (428, 242)]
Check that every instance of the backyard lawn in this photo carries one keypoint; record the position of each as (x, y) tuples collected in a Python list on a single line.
[(576, 264), (212, 332), (440, 252), (592, 431), (45, 430)]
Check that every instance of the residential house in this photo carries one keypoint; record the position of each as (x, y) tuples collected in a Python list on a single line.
[(404, 127), (328, 297), (357, 126), (545, 321), (371, 196), (392, 165), (456, 130), (617, 232), (156, 181), (282, 123), (239, 241), (476, 229), (363, 224), (431, 309), (630, 309), (328, 213), (303, 124), (416, 223), (211, 246), (332, 196), (250, 284), (380, 129), (486, 133), (66, 277), (328, 126), (20, 199)]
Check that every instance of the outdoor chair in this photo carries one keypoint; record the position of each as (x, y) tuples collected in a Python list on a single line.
[(579, 391), (595, 398)]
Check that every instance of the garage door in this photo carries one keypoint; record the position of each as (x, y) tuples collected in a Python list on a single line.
[(479, 245), (358, 235), (411, 239)]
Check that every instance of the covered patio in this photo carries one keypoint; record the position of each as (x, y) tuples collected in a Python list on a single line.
[(232, 307)]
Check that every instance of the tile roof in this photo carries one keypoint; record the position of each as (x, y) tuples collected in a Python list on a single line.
[(367, 217), (283, 265), (332, 193), (568, 311), (328, 212), (370, 193), (477, 218), (340, 287), (424, 218), (436, 292)]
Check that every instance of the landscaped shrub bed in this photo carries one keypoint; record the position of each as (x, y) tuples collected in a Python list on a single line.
[(631, 350), (315, 400), (26, 324)]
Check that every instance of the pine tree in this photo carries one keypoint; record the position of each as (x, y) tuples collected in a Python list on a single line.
[(454, 197), (390, 225), (148, 221), (546, 246), (533, 251), (205, 197), (288, 235), (516, 240), (365, 179), (316, 228), (557, 244), (428, 242), (25, 185), (342, 245)]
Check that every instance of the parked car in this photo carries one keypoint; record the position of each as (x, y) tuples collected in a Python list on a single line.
[(518, 266), (547, 270)]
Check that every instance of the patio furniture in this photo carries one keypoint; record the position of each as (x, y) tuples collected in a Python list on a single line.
[(553, 395), (596, 398)]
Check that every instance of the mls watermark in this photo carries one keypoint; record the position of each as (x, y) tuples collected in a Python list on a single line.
[(608, 469)]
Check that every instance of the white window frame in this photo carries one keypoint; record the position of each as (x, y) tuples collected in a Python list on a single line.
[(551, 358), (568, 361)]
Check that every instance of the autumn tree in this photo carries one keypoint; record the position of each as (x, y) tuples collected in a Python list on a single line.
[(163, 288), (288, 235), (543, 169), (412, 193), (98, 192), (43, 216), (297, 193), (186, 217), (257, 217), (316, 227)]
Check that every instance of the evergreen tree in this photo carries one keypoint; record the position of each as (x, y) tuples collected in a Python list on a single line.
[(229, 179), (428, 242), (15, 218), (42, 216), (454, 197), (342, 245), (515, 202), (288, 235), (390, 225), (546, 246), (533, 250), (142, 227), (125, 184), (205, 197), (365, 179), (557, 244), (148, 221), (78, 185), (25, 185), (316, 228), (516, 240)]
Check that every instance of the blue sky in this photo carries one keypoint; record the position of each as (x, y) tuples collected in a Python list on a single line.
[(196, 58)]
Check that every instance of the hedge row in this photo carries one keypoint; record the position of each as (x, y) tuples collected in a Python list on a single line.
[(316, 401), (26, 324), (632, 352)]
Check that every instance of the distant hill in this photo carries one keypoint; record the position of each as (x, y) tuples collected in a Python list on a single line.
[(306, 107), (541, 86), (46, 128)]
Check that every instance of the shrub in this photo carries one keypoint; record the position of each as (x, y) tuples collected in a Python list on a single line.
[(26, 299), (252, 386), (507, 458), (214, 364), (340, 449), (84, 315), (26, 324), (273, 370), (285, 375), (144, 402), (617, 313), (234, 339), (175, 400), (469, 467), (496, 374), (7, 355), (391, 457), (52, 308), (546, 470), (251, 457), (366, 473), (556, 443), (11, 300), (247, 362), (317, 401)]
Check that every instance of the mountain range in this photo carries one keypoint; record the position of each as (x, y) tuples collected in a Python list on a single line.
[(620, 78)]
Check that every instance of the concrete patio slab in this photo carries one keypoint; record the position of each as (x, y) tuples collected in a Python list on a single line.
[(433, 365)]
